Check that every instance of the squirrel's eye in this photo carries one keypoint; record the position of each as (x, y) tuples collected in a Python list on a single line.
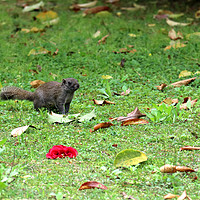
[(69, 82)]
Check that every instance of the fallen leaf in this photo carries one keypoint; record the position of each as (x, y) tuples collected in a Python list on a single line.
[(92, 184), (151, 25), (132, 35), (188, 36), (87, 117), (38, 51), (161, 16), (114, 145), (175, 16), (175, 45), (185, 73), (168, 169), (106, 77), (125, 51), (173, 23), (18, 131), (97, 34), (36, 83), (170, 196), (103, 39), (135, 8), (197, 14), (184, 105), (95, 10), (102, 102), (183, 82), (183, 196), (135, 114), (161, 87), (33, 71), (172, 169), (33, 30), (112, 1), (47, 15), (51, 22), (59, 118), (101, 125), (126, 196), (184, 169), (189, 148), (126, 92), (175, 36), (166, 12), (170, 101), (129, 157), (33, 7), (85, 5), (134, 121)]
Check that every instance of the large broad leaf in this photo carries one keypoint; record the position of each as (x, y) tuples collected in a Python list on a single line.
[(87, 117), (129, 157), (59, 118)]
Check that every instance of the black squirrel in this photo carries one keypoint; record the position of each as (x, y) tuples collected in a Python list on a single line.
[(49, 95)]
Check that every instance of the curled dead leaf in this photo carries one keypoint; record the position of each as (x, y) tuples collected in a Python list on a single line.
[(170, 196), (36, 83), (173, 23), (172, 169), (184, 169), (161, 87), (189, 148), (134, 121), (103, 39), (175, 36), (184, 105), (102, 102), (135, 114), (92, 184), (170, 101), (101, 125), (168, 169), (96, 10), (183, 82)]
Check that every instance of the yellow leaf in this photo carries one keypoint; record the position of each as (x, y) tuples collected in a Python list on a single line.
[(47, 15), (41, 50), (132, 35), (197, 14), (192, 34), (185, 73), (173, 23), (129, 157), (106, 77)]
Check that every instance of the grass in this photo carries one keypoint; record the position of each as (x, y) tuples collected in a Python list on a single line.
[(82, 58)]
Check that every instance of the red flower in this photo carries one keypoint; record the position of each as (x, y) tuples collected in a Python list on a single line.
[(60, 151)]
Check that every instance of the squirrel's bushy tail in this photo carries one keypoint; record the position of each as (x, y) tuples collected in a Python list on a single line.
[(11, 92)]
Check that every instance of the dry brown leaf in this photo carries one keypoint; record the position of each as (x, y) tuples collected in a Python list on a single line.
[(173, 23), (125, 51), (175, 46), (168, 169), (102, 102), (170, 196), (101, 125), (183, 82), (164, 12), (161, 87), (126, 92), (103, 39), (184, 169), (183, 196), (92, 184), (184, 104), (173, 36), (96, 10), (135, 114), (33, 71), (134, 121), (189, 148), (36, 83), (172, 169)]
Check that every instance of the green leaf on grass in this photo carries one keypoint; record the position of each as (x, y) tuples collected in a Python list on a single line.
[(53, 117), (87, 117), (3, 141), (129, 157)]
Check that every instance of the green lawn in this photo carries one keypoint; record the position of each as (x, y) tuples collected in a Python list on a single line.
[(23, 158)]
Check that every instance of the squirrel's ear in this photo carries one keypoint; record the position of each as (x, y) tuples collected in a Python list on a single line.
[(63, 82)]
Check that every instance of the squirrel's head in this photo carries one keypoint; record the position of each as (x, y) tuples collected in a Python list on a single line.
[(70, 84)]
